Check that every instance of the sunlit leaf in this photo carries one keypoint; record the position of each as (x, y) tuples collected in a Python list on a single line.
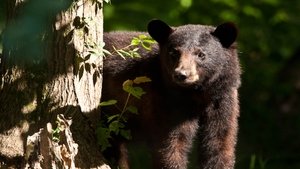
[(142, 36), (135, 42), (119, 53), (147, 46), (136, 55), (141, 79), (125, 53), (106, 52), (108, 103), (127, 85), (135, 49)]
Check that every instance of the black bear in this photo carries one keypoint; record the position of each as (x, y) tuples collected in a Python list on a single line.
[(193, 95)]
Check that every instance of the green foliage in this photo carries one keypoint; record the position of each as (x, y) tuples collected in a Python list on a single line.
[(56, 132), (56, 135), (145, 41), (132, 50), (108, 103), (115, 124)]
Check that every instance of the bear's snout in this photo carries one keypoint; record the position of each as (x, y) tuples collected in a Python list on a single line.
[(185, 75), (180, 75)]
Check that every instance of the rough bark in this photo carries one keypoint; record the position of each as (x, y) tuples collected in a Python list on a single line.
[(48, 80)]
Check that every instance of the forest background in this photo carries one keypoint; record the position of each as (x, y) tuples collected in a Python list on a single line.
[(269, 49)]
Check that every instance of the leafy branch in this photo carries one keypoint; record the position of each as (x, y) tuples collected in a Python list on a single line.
[(116, 123), (132, 49)]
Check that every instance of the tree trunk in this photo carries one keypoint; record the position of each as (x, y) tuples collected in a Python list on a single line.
[(50, 84)]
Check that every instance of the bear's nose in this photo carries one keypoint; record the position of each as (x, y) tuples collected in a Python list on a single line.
[(180, 75)]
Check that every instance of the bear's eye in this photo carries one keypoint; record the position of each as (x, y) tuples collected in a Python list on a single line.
[(174, 53), (201, 55)]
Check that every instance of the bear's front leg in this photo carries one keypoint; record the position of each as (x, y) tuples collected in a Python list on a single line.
[(174, 148), (218, 132)]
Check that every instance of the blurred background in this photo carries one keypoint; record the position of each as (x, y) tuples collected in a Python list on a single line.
[(269, 50)]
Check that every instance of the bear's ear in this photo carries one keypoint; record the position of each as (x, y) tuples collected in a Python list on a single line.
[(226, 33), (159, 30)]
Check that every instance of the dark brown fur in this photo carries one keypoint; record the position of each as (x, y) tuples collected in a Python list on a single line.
[(195, 77)]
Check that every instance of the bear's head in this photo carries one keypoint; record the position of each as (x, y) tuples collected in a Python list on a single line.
[(195, 55)]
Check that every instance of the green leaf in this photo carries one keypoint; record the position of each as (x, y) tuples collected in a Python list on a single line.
[(119, 53), (114, 127), (132, 109), (141, 79), (149, 40), (110, 118), (142, 36), (135, 49), (135, 41), (146, 46), (126, 134), (127, 85), (134, 54), (55, 139), (106, 52), (108, 103), (137, 92), (125, 53), (103, 136)]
